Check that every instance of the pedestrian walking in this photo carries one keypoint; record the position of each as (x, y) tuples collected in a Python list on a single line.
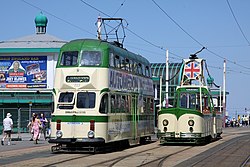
[(36, 124), (30, 126), (8, 125), (44, 122)]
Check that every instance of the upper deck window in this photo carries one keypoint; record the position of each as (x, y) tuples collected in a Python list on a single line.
[(91, 58), (69, 58)]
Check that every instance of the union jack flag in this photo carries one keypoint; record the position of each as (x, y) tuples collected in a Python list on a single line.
[(192, 69)]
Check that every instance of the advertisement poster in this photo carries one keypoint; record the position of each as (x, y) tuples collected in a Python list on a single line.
[(23, 72)]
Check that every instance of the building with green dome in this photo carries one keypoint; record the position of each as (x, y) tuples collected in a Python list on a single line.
[(41, 23), (27, 74)]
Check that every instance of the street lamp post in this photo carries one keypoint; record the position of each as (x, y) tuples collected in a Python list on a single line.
[(30, 105), (19, 124)]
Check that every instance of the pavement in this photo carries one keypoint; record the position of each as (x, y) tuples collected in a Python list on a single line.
[(21, 141), (19, 137)]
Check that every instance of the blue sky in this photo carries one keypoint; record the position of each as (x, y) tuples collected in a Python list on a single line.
[(181, 26)]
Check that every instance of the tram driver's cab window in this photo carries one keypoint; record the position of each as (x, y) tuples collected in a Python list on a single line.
[(91, 58), (85, 100), (66, 100), (66, 97), (188, 100), (69, 58)]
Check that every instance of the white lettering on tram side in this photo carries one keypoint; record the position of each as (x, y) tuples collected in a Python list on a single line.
[(127, 82), (75, 123), (79, 112)]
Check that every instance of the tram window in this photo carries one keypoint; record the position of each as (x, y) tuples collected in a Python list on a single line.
[(125, 64), (139, 68), (104, 104), (151, 105), (113, 103), (122, 103), (143, 69), (127, 103), (66, 97), (131, 65), (118, 103), (128, 68), (85, 100), (147, 105), (183, 102), (91, 58), (147, 71), (144, 105), (193, 101), (117, 62), (111, 59), (69, 58), (135, 68)]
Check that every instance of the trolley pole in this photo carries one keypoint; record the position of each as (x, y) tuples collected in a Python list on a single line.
[(99, 24)]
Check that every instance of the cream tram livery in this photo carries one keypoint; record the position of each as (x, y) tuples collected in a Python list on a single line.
[(193, 118), (103, 97)]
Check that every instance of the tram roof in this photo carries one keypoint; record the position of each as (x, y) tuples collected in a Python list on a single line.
[(105, 45)]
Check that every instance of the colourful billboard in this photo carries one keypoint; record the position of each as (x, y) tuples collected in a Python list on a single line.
[(23, 72)]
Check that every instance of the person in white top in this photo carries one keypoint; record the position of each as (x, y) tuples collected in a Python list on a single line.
[(8, 125)]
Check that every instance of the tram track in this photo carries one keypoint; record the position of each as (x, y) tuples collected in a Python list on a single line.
[(67, 160), (120, 158), (156, 162), (222, 154), (159, 161), (246, 162)]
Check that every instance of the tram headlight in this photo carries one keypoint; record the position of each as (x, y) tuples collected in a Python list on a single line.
[(165, 129), (191, 122), (91, 134), (59, 134), (165, 122), (191, 129)]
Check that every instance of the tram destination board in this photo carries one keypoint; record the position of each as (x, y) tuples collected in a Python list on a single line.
[(77, 79)]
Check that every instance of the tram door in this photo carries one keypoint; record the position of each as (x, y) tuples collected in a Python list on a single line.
[(134, 116)]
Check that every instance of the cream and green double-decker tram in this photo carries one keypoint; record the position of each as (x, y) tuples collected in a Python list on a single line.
[(103, 96)]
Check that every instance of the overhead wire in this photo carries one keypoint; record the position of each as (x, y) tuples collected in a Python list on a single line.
[(235, 19), (233, 62), (143, 39), (119, 8), (178, 24), (157, 46)]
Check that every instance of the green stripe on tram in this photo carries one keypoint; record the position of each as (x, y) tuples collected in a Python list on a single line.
[(179, 112), (71, 118)]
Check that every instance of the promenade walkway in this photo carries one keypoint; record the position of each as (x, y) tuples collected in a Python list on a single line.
[(22, 141)]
